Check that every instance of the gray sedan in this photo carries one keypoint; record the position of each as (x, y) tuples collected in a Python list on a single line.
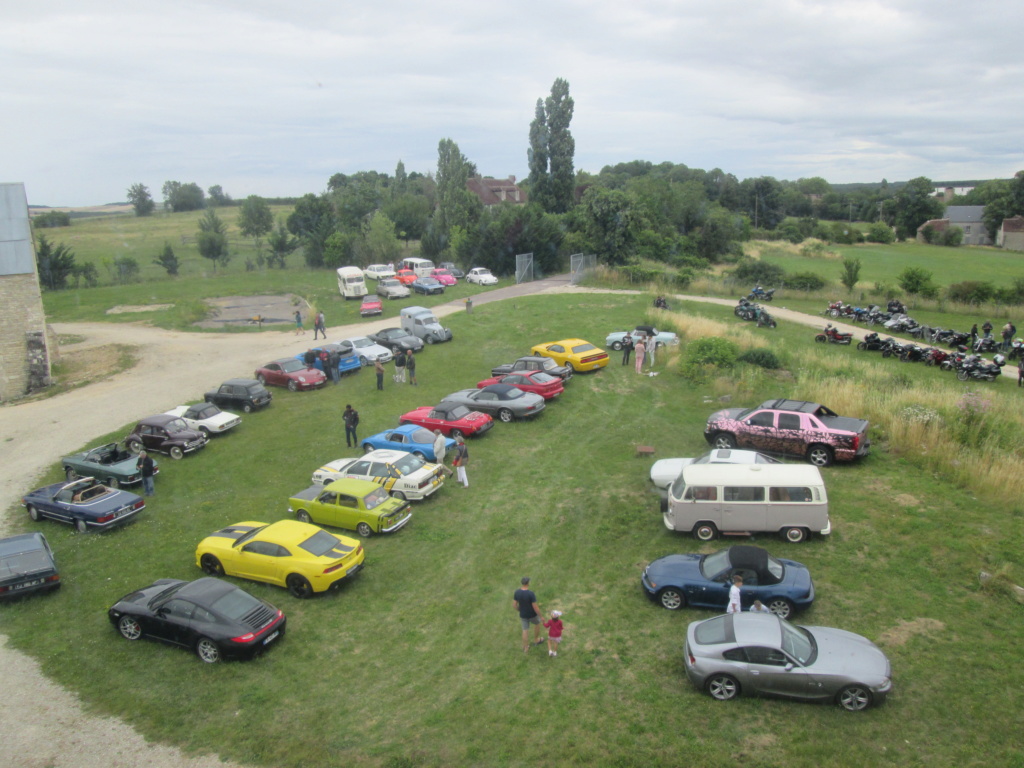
[(502, 401), (759, 653)]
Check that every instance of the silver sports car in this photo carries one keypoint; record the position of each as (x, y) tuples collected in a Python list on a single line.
[(760, 653), (501, 401)]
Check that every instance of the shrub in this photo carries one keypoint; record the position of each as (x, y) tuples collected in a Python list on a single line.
[(684, 277), (762, 358), (713, 352), (753, 271), (806, 281), (125, 270), (168, 260), (930, 235), (636, 273), (880, 232), (52, 219), (971, 292), (1013, 294), (953, 237)]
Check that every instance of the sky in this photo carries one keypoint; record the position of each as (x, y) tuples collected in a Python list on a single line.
[(272, 98)]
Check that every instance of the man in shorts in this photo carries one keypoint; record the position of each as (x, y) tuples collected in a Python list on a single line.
[(525, 602)]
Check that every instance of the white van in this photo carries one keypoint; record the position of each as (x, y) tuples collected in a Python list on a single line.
[(351, 283), (708, 499), (420, 267)]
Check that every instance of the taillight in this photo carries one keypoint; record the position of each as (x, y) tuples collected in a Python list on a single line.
[(105, 519), (55, 577), (333, 568), (856, 442), (243, 638), (139, 504)]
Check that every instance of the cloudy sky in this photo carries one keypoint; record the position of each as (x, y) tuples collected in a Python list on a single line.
[(270, 97)]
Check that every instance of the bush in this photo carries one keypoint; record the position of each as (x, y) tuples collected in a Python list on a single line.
[(714, 351), (971, 292), (815, 249), (1013, 294), (880, 232), (953, 237), (51, 219), (762, 358), (684, 277), (806, 281), (639, 274), (125, 270), (753, 271)]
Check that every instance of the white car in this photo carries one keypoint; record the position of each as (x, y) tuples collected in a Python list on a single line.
[(665, 471), (481, 276), (403, 475), (365, 350), (379, 271), (392, 288), (206, 418)]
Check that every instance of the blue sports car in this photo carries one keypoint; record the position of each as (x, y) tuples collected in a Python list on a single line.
[(409, 438), (347, 361), (703, 581), (86, 504)]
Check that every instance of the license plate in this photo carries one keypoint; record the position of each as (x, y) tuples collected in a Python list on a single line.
[(271, 637), (354, 569), (26, 584)]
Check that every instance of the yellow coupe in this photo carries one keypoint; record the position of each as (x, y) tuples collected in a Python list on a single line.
[(299, 556), (577, 354)]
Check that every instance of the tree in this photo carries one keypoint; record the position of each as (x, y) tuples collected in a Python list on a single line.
[(916, 281), (914, 205), (456, 205), (611, 224), (537, 158), (552, 149), (55, 264), (212, 239), (717, 234), (281, 244), (168, 260), (851, 273), (183, 197), (139, 197), (312, 222), (218, 196), (380, 245), (410, 213), (401, 180), (51, 219), (256, 221)]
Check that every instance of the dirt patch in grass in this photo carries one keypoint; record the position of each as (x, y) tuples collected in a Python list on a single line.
[(905, 630), (906, 500), (256, 310), (124, 309), (85, 366)]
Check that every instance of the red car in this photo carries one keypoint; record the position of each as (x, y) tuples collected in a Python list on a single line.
[(453, 419), (291, 373), (538, 382), (406, 276), (371, 306)]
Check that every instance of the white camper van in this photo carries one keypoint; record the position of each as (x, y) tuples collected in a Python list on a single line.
[(420, 267), (351, 283)]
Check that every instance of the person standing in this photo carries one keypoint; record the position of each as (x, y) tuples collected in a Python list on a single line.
[(734, 595), (440, 449), (525, 601), (1007, 333), (321, 325), (461, 460), (987, 329), (554, 628), (640, 352), (146, 466), (351, 419), (298, 323), (400, 367), (1020, 372), (651, 347), (627, 348), (333, 363), (410, 367), (974, 335), (378, 368)]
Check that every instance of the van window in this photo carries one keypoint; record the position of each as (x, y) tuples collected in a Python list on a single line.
[(744, 493), (800, 494), (701, 493)]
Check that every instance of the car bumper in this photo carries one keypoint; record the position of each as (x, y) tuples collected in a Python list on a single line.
[(122, 519), (398, 525), (483, 428), (30, 587), (332, 581)]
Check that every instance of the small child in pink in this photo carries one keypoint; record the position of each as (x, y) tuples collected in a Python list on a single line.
[(554, 628)]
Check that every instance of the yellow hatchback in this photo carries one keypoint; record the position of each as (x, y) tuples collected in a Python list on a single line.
[(577, 354), (301, 557)]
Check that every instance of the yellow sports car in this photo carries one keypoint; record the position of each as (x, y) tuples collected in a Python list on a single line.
[(299, 556), (577, 354)]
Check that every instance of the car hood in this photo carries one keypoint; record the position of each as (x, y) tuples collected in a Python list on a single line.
[(846, 653), (726, 413), (665, 471), (675, 569)]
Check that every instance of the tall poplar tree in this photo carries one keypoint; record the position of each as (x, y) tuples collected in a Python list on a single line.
[(456, 205), (552, 148), (537, 156)]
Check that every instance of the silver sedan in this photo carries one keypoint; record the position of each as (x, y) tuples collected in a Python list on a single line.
[(501, 401), (759, 653)]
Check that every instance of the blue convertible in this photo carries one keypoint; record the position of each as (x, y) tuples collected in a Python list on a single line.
[(703, 581), (409, 438), (86, 504)]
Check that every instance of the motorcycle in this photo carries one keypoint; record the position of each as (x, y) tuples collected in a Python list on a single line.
[(834, 309), (764, 320), (985, 344), (1016, 349), (892, 348), (954, 360), (660, 303), (742, 308), (832, 336), (936, 356), (877, 316), (912, 353), (973, 367), (872, 343), (896, 306), (760, 293)]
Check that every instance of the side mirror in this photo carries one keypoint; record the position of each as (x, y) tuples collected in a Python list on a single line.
[(789, 666)]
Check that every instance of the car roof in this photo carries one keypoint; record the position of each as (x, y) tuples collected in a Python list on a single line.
[(158, 420), (447, 407), (353, 486), (500, 389), (744, 628), (746, 556), (207, 590), (23, 542), (241, 382), (384, 454), (751, 474), (791, 405)]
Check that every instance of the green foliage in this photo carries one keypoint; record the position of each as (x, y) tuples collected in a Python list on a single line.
[(255, 219), (683, 277), (141, 200), (791, 231), (312, 222), (762, 358), (931, 235), (1012, 294), (880, 232), (637, 273), (380, 245), (917, 281), (703, 357), (552, 149), (183, 197), (851, 273), (717, 234), (212, 239), (953, 237), (805, 281), (54, 262), (281, 244), (971, 292), (168, 260), (218, 197), (85, 273), (815, 249), (914, 204), (508, 230), (611, 224), (51, 219), (758, 271), (124, 270), (410, 213), (456, 205), (341, 249)]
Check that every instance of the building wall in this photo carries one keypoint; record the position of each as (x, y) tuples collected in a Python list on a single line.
[(1013, 241)]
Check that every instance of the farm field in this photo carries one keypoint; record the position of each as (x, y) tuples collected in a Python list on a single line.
[(417, 661)]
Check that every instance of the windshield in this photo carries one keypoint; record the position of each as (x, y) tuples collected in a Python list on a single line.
[(255, 389), (166, 594), (442, 272), (458, 412), (543, 378), (245, 537), (512, 394), (320, 543), (712, 565), (176, 426), (291, 366), (798, 642), (354, 280), (234, 604), (360, 343), (375, 498), (205, 412), (408, 464)]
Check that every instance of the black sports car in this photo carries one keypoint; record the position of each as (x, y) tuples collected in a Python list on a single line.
[(211, 617), (26, 566), (396, 339)]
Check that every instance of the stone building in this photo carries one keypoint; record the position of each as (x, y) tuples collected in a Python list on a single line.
[(1011, 234)]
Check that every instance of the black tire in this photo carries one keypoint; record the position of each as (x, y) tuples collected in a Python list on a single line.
[(963, 375), (398, 495), (705, 531), (211, 565), (81, 526), (905, 357), (113, 482), (617, 346), (176, 452), (205, 431), (129, 628), (722, 687), (262, 379), (738, 312), (303, 516), (862, 345), (821, 338), (364, 530), (794, 535), (456, 434), (299, 586), (70, 474), (247, 408), (671, 599), (820, 455), (429, 340), (134, 446), (505, 415), (367, 448), (33, 512), (886, 353), (772, 324), (723, 440), (293, 387), (929, 361), (781, 607), (419, 455), (207, 650), (854, 698)]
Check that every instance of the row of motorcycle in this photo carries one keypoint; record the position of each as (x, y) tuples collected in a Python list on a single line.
[(748, 310)]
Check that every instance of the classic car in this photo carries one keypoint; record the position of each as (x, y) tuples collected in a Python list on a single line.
[(534, 363), (703, 581), (300, 557), (379, 271), (453, 419), (501, 401), (444, 276), (247, 395), (165, 434), (409, 438), (405, 276), (110, 464), (760, 653), (791, 427), (392, 288), (661, 338), (665, 471), (84, 503), (371, 306), (457, 273), (292, 373), (402, 474), (365, 350), (27, 565), (481, 276), (357, 505), (396, 339), (537, 382), (348, 361), (427, 285), (577, 354), (206, 418), (211, 617)]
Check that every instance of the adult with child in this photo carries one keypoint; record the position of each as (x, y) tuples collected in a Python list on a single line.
[(525, 601)]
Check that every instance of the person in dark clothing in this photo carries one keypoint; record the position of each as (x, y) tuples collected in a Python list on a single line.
[(987, 329), (410, 367), (148, 469), (627, 348), (400, 360), (378, 368), (525, 601), (351, 419), (332, 364), (310, 359)]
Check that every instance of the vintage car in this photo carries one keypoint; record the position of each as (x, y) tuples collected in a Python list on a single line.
[(396, 339), (453, 419), (577, 354), (300, 557), (165, 434), (534, 363), (402, 474), (371, 306), (457, 273), (357, 505), (110, 464), (427, 286), (27, 566), (537, 382), (206, 418), (665, 471), (84, 503), (763, 654), (292, 373), (211, 617), (703, 581), (348, 361), (661, 338), (791, 427), (406, 277), (379, 271), (444, 276), (481, 276), (246, 395), (365, 350), (392, 288), (409, 438), (502, 401)]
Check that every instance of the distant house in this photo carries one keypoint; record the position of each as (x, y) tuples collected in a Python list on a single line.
[(966, 217), (497, 191), (1011, 234), (947, 193)]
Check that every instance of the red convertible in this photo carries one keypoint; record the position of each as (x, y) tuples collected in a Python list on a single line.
[(453, 419), (538, 382), (289, 372)]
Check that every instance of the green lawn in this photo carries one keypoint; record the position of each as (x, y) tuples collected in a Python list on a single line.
[(417, 661)]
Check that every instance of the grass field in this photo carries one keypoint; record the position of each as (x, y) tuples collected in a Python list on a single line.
[(417, 661)]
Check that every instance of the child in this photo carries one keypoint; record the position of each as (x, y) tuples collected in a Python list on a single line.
[(759, 607), (734, 595), (554, 628)]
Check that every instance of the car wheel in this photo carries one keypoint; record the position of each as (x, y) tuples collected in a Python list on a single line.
[(176, 453), (457, 433), (293, 387), (672, 599), (794, 535), (70, 474), (303, 516), (364, 530), (81, 526), (247, 408), (135, 446), (112, 482), (299, 586), (419, 455), (724, 440), (617, 346), (723, 687), (430, 339), (367, 448), (854, 698), (262, 379), (129, 628), (705, 531), (207, 650), (205, 431), (398, 495), (505, 415), (211, 565), (819, 455), (33, 512), (781, 607), (363, 361)]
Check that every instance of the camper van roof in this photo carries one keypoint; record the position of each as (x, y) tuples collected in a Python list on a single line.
[(752, 474)]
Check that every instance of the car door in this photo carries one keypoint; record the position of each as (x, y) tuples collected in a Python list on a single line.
[(360, 470), (347, 512), (485, 402), (397, 440), (760, 432), (275, 375), (743, 508), (791, 434), (774, 673), (261, 561), (172, 621)]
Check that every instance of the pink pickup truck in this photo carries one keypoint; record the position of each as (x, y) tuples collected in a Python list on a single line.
[(791, 427)]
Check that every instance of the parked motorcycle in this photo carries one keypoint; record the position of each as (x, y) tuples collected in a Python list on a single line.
[(936, 356), (834, 309), (1016, 349), (985, 344), (892, 348), (872, 343), (742, 308), (896, 306), (759, 293), (973, 367), (878, 317), (832, 336), (913, 353), (954, 360), (764, 320)]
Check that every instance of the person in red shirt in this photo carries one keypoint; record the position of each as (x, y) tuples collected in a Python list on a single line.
[(554, 628)]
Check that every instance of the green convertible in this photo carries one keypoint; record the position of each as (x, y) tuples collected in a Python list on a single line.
[(110, 464), (358, 505)]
